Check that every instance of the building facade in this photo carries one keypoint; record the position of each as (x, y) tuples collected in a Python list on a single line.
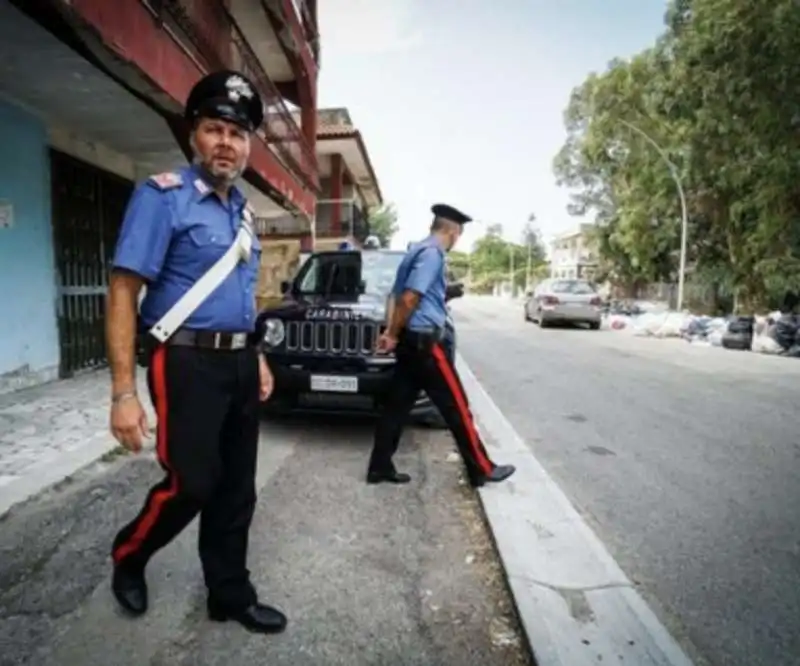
[(91, 99), (349, 189), (574, 254)]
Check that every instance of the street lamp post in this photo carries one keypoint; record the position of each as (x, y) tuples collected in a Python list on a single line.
[(673, 170)]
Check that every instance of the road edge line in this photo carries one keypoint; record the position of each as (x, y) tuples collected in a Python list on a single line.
[(601, 617)]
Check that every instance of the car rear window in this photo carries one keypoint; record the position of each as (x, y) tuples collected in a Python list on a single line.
[(572, 287)]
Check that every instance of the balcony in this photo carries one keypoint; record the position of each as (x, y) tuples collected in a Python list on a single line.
[(284, 226), (307, 14), (339, 218), (210, 32)]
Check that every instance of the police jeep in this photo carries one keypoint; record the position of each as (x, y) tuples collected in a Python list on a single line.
[(320, 339)]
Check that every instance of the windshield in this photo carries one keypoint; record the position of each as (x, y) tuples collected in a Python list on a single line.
[(331, 274), (379, 270), (334, 274)]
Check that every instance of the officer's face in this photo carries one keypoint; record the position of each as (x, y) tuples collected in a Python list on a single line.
[(454, 233), (222, 148)]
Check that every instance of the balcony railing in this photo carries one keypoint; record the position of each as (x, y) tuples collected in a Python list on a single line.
[(352, 221), (309, 24), (286, 225), (217, 40)]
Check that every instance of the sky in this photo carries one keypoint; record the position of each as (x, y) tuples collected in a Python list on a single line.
[(461, 102)]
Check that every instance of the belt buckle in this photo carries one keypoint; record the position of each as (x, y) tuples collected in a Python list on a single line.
[(238, 341)]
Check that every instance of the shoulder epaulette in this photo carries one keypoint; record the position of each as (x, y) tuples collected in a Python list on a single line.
[(167, 180)]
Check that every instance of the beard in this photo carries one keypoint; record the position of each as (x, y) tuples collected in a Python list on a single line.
[(221, 175)]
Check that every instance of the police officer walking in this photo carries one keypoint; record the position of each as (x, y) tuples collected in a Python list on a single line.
[(205, 374), (415, 332)]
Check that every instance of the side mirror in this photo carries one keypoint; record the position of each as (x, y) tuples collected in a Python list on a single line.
[(285, 286)]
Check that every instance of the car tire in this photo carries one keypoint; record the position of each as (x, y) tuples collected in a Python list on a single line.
[(542, 322), (594, 325)]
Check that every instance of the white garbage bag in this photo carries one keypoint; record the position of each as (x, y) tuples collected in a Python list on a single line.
[(661, 324), (763, 343)]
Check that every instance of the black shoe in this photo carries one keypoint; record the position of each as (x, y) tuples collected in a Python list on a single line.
[(130, 589), (258, 618), (392, 476), (499, 473)]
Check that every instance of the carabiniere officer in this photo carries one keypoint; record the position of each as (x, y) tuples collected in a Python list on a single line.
[(415, 333), (206, 381)]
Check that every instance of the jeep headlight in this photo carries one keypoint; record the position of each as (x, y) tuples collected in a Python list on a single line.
[(274, 332)]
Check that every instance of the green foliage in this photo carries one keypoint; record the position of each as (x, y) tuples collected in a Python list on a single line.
[(719, 93), (383, 223), (490, 262), (458, 265)]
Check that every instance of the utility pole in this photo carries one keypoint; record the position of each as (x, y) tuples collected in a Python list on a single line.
[(529, 238), (528, 267), (511, 266)]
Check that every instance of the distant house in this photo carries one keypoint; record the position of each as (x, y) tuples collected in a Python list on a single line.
[(573, 254)]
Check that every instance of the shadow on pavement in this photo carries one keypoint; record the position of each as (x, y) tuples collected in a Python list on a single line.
[(367, 574)]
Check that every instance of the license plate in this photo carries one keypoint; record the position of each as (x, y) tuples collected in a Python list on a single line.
[(334, 384)]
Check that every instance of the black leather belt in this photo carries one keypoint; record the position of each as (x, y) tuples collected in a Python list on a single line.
[(222, 341)]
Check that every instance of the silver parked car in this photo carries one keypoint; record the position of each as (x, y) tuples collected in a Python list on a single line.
[(565, 301)]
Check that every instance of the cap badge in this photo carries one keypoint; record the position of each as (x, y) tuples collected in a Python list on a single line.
[(238, 88)]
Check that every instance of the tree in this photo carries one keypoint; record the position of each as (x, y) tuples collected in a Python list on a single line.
[(383, 223), (458, 263), (719, 91), (490, 261)]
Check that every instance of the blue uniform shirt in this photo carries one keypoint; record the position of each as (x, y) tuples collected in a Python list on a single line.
[(423, 271), (175, 228)]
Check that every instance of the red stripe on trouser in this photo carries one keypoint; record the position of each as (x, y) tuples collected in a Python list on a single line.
[(463, 411), (153, 509)]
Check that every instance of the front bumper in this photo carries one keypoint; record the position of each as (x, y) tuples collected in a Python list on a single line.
[(327, 385)]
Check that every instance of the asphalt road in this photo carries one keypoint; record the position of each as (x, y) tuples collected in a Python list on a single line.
[(685, 460), (367, 574)]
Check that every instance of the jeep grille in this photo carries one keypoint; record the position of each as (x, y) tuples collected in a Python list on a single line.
[(346, 338)]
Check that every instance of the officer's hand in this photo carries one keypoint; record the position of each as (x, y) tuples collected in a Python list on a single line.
[(386, 343), (265, 380), (129, 423)]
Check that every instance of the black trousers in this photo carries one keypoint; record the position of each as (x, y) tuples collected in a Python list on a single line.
[(427, 367), (207, 406)]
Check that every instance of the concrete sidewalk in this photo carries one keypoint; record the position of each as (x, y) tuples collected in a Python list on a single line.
[(49, 432), (379, 575)]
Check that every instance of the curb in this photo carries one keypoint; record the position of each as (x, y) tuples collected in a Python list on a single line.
[(575, 604), (45, 475), (58, 466)]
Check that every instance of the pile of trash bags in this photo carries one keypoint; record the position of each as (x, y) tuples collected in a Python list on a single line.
[(776, 333)]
